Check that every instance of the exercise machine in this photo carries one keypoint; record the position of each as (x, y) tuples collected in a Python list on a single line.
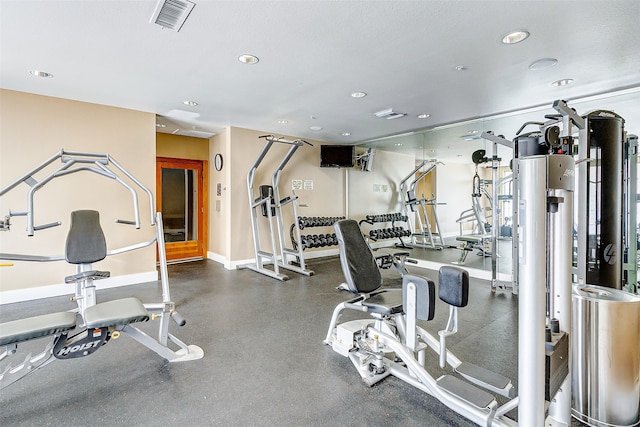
[(268, 202), (416, 209), (631, 241), (87, 328), (479, 238), (390, 341), (606, 214)]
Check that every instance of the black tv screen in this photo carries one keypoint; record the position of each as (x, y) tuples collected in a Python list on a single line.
[(337, 156)]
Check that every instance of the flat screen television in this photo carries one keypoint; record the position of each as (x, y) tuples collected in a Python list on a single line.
[(337, 156)]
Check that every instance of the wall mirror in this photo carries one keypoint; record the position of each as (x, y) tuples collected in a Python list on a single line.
[(450, 185)]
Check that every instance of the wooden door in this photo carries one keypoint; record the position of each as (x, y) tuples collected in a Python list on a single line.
[(181, 196)]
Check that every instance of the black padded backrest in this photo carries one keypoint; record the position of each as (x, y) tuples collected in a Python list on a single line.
[(358, 263), (453, 286), (85, 240), (425, 293)]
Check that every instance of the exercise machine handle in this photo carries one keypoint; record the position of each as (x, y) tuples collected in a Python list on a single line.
[(180, 321)]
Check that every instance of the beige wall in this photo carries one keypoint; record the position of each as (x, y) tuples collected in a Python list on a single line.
[(32, 129), (219, 205), (326, 198), (181, 147)]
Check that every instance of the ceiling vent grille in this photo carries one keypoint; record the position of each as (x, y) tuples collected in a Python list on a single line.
[(389, 114), (171, 14)]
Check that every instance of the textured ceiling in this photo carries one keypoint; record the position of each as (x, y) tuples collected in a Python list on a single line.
[(313, 54)]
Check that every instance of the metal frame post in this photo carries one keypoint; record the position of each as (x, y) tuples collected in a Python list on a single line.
[(532, 301)]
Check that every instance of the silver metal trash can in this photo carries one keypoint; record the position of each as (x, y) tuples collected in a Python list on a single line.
[(605, 346)]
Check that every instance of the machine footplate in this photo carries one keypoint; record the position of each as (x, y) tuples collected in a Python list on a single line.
[(483, 375), (465, 391)]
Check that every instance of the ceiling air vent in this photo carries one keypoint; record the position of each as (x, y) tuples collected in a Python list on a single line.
[(171, 14), (389, 114)]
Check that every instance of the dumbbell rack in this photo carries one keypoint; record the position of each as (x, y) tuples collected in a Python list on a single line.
[(312, 241), (388, 233)]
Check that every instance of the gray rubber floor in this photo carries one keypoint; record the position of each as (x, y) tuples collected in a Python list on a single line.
[(264, 363)]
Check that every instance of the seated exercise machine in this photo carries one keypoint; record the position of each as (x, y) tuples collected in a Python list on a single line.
[(82, 331), (390, 341)]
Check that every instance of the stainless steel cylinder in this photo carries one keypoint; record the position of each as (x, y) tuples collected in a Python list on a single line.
[(605, 343), (532, 299)]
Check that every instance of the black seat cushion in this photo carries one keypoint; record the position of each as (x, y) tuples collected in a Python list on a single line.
[(385, 302), (358, 263), (36, 327)]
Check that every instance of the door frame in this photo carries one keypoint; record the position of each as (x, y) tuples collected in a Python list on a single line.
[(184, 251)]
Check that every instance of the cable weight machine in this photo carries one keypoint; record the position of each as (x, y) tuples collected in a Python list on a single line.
[(271, 206)]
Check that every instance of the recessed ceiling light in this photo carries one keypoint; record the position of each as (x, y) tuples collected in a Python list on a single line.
[(161, 125), (543, 63), (346, 134), (515, 37), (562, 82), (316, 128), (358, 94), (282, 122), (460, 68), (248, 59), (38, 73), (190, 103), (472, 132), (424, 116), (398, 144)]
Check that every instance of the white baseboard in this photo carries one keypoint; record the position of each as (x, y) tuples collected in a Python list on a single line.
[(56, 290), (233, 265), (218, 258), (473, 272)]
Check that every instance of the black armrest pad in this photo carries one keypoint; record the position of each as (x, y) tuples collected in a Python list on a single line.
[(453, 286)]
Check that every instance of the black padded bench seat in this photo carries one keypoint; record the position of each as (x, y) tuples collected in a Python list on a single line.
[(36, 327), (116, 312), (385, 302)]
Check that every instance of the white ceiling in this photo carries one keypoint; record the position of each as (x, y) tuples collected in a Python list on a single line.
[(313, 54)]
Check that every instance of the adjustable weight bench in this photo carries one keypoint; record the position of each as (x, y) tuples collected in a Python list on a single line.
[(101, 323), (472, 242), (92, 324)]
